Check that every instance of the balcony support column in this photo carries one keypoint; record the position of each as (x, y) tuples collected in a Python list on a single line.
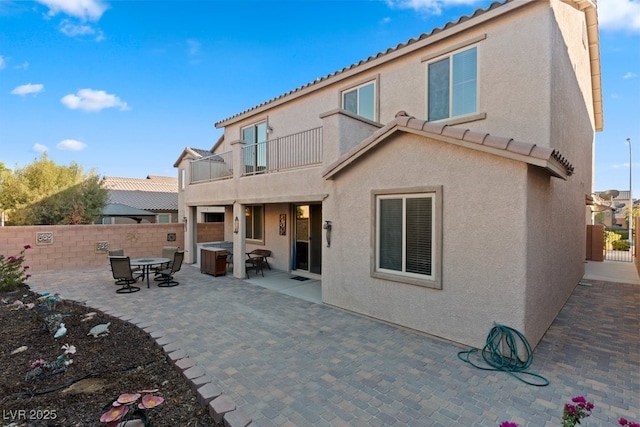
[(239, 242)]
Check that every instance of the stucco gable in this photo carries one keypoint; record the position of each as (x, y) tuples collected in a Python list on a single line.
[(544, 157), (193, 153)]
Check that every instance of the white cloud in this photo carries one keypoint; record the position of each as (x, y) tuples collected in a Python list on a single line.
[(39, 148), (71, 145), (90, 10), (193, 46), (71, 29), (629, 75), (429, 6), (22, 66), (93, 100), (2, 62), (619, 15), (27, 89)]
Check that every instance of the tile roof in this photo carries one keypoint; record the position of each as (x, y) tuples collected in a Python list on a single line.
[(547, 158), (371, 58), (192, 152), (149, 200), (152, 183), (588, 6)]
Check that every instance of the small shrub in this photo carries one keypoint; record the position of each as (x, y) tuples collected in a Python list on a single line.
[(620, 245), (13, 272), (609, 238)]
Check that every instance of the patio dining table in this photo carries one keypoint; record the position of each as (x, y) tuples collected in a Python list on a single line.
[(146, 264)]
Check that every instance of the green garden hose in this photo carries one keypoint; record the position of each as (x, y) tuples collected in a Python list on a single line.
[(505, 337)]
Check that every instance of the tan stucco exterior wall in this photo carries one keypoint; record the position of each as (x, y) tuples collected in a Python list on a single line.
[(483, 251), (556, 214)]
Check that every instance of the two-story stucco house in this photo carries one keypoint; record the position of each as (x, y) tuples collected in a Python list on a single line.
[(439, 185)]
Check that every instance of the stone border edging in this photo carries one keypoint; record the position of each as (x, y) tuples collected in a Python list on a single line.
[(221, 408)]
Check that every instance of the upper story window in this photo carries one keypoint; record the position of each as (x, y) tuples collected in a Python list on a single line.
[(361, 100), (452, 85), (255, 153)]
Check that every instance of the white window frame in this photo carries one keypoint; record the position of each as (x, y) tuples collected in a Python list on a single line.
[(183, 178), (250, 223), (434, 279), (256, 158), (357, 89), (450, 56)]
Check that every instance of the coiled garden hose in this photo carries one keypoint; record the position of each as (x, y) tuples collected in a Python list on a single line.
[(503, 337)]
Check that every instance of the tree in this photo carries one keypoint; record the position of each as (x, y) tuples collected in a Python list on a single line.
[(45, 193)]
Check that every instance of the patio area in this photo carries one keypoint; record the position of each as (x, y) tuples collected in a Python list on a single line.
[(287, 361)]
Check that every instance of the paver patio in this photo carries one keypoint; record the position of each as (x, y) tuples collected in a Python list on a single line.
[(289, 362)]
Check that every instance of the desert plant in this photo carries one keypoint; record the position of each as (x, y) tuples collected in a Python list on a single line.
[(13, 272)]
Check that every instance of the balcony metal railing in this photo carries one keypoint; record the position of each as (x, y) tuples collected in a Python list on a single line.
[(211, 168), (288, 152)]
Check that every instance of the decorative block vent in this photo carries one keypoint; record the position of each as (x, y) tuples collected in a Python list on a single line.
[(44, 238), (171, 237), (102, 247)]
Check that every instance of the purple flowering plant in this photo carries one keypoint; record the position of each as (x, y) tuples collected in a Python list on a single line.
[(13, 272), (574, 412)]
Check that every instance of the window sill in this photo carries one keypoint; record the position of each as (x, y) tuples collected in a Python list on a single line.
[(425, 283)]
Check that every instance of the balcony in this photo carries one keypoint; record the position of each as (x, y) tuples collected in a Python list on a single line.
[(212, 168), (298, 150)]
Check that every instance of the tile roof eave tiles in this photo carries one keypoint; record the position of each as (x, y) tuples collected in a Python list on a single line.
[(547, 158)]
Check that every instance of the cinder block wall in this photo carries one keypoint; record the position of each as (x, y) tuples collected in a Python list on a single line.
[(59, 247)]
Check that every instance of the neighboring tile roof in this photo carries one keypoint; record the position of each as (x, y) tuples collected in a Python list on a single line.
[(203, 153), (192, 152), (547, 158), (157, 193), (398, 47), (152, 183), (149, 200)]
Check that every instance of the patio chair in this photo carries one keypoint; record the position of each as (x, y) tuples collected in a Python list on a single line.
[(120, 252), (121, 270), (167, 252), (166, 275)]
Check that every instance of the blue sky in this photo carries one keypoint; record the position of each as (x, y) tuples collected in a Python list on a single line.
[(122, 87)]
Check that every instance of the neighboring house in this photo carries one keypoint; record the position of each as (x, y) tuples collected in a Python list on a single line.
[(154, 199), (441, 185), (614, 209)]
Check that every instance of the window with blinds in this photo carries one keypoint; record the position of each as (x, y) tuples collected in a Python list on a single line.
[(405, 234), (452, 85)]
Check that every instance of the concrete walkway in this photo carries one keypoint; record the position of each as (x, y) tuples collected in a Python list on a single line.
[(284, 361)]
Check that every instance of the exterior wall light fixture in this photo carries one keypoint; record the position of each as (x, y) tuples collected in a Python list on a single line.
[(236, 225)]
